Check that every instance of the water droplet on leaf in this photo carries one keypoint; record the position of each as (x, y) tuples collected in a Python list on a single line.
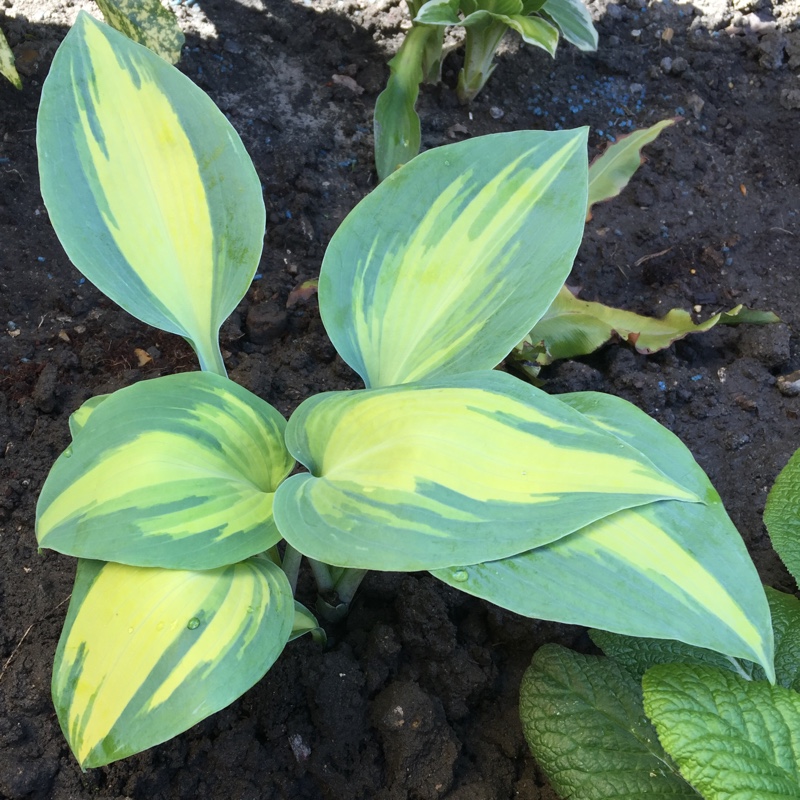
[(460, 575), (193, 623)]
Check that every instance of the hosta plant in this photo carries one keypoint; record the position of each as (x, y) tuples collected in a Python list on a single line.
[(717, 728), (174, 492), (540, 23)]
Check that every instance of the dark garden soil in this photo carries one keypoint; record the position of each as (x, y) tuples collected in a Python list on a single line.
[(416, 695)]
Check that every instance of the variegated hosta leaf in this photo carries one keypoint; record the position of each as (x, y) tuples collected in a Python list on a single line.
[(450, 261), (435, 474), (667, 570), (146, 22), (147, 653), (148, 186), (176, 472)]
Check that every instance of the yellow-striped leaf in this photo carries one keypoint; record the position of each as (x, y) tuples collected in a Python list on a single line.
[(668, 570), (451, 260), (148, 186), (176, 472), (7, 66), (147, 653), (429, 475)]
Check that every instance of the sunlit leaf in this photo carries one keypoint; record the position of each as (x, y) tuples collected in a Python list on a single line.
[(668, 570), (146, 22), (610, 172), (437, 474), (7, 67), (147, 185), (475, 239)]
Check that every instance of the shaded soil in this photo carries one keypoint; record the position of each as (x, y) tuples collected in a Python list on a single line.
[(416, 696)]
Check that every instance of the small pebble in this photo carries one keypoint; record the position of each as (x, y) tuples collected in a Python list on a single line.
[(496, 113)]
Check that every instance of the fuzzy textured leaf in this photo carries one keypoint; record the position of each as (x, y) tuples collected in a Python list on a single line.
[(148, 23), (584, 722), (148, 186), (733, 739), (573, 327), (685, 563), (430, 475), (177, 472), (782, 515), (475, 239), (147, 653)]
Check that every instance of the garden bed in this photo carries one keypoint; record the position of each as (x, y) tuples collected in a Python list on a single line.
[(416, 695)]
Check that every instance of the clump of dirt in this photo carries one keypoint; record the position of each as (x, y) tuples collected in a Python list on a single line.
[(416, 697)]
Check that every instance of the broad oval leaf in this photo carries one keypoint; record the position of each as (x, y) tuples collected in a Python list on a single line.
[(782, 515), (684, 563), (434, 474), (147, 653), (175, 472), (148, 186), (583, 720), (733, 739), (474, 241)]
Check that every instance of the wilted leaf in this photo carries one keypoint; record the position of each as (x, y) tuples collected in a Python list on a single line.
[(573, 327), (610, 172)]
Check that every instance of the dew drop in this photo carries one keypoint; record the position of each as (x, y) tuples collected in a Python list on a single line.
[(460, 575), (68, 452), (160, 626), (130, 630), (193, 623)]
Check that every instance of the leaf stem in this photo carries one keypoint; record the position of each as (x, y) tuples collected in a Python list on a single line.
[(291, 565), (481, 43)]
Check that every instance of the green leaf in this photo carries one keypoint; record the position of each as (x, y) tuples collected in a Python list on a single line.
[(147, 653), (685, 563), (638, 654), (439, 12), (79, 418), (785, 610), (396, 123), (437, 474), (574, 21), (148, 186), (148, 23), (7, 67), (733, 739), (584, 722), (475, 239), (305, 622), (782, 515), (610, 172), (534, 30), (175, 472), (573, 327)]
